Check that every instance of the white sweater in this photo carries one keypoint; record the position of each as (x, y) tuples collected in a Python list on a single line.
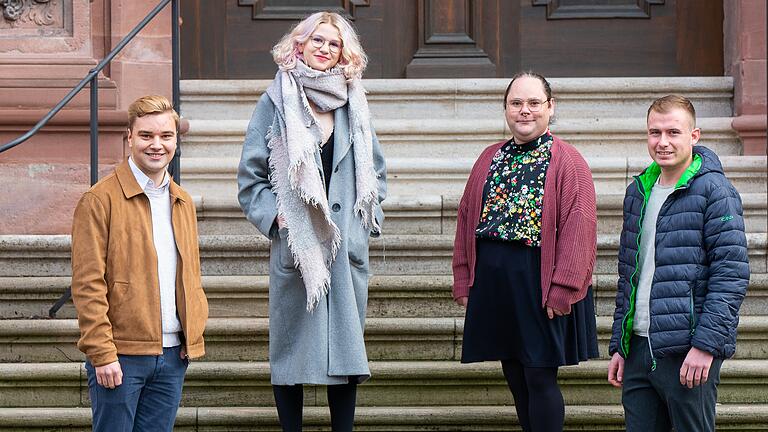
[(165, 246)]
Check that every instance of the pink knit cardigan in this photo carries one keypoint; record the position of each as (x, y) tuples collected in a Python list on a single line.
[(568, 227)]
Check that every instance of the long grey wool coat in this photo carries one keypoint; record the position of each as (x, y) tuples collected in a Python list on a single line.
[(325, 346)]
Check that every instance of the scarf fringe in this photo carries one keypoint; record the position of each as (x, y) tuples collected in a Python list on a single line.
[(313, 299)]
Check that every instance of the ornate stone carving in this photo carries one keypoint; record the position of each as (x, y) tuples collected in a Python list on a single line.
[(39, 12)]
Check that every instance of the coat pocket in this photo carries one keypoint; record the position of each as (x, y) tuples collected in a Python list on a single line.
[(357, 244), (119, 293), (285, 257), (197, 308), (129, 315), (692, 307)]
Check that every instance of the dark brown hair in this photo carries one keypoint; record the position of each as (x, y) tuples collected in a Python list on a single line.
[(544, 83)]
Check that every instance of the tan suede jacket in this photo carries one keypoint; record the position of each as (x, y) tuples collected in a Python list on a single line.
[(114, 271)]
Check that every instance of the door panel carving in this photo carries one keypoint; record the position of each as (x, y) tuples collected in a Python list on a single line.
[(448, 41), (298, 9), (580, 9)]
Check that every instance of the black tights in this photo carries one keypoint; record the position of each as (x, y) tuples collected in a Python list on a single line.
[(538, 400), (341, 401)]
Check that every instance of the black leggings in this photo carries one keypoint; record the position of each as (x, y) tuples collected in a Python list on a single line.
[(538, 400), (341, 401)]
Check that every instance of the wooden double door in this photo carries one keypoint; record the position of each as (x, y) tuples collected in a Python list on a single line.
[(231, 39)]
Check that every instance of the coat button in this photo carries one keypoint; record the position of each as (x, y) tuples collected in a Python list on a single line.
[(336, 170), (336, 207)]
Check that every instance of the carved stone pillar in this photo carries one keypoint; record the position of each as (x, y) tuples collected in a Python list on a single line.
[(144, 66), (46, 48), (745, 60)]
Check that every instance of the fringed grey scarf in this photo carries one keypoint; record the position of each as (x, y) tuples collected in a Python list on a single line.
[(293, 140)]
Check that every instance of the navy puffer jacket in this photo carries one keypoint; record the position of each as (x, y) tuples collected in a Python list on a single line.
[(702, 268)]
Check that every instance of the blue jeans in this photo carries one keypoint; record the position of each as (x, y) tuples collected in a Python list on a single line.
[(655, 401), (148, 398)]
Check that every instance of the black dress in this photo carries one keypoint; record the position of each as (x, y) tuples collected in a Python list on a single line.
[(505, 319)]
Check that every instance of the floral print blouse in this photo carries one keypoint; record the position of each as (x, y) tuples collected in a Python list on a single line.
[(514, 192)]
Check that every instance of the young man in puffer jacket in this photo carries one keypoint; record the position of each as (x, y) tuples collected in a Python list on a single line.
[(683, 273)]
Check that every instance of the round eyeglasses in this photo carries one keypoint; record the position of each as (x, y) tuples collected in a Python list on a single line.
[(319, 41), (534, 105)]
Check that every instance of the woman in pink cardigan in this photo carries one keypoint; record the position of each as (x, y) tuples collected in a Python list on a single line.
[(523, 256)]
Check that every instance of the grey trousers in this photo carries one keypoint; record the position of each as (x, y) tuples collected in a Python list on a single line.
[(656, 401)]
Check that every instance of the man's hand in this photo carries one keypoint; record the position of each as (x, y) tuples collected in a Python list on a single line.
[(616, 370), (280, 222), (552, 312), (695, 369), (462, 301), (110, 375)]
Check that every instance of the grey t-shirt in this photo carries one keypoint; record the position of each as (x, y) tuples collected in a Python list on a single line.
[(647, 264)]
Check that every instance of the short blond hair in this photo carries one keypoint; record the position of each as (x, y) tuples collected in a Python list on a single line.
[(667, 103), (352, 60), (151, 104)]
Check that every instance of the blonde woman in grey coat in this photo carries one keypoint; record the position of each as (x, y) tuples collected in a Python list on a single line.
[(312, 178)]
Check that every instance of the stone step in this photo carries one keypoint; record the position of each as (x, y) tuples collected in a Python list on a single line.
[(237, 339), (247, 339), (446, 138), (476, 98), (390, 296), (597, 418), (405, 214), (216, 177), (393, 383), (403, 254), (436, 214), (245, 296), (228, 255), (412, 274)]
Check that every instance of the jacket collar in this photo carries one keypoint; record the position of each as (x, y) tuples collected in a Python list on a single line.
[(175, 192), (127, 180), (131, 187), (649, 176), (143, 179)]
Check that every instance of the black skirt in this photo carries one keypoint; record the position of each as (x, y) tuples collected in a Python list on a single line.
[(505, 320)]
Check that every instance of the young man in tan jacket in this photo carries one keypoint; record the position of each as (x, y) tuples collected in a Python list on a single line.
[(136, 280)]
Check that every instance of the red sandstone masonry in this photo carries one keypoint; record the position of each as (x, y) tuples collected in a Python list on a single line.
[(745, 54)]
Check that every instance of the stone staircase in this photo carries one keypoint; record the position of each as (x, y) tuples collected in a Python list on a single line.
[(431, 131)]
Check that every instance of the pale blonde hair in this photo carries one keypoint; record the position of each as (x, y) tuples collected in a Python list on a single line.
[(352, 60), (151, 104)]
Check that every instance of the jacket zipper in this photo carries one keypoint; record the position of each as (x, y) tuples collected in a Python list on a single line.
[(650, 298), (650, 346), (692, 314), (624, 345), (633, 287)]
